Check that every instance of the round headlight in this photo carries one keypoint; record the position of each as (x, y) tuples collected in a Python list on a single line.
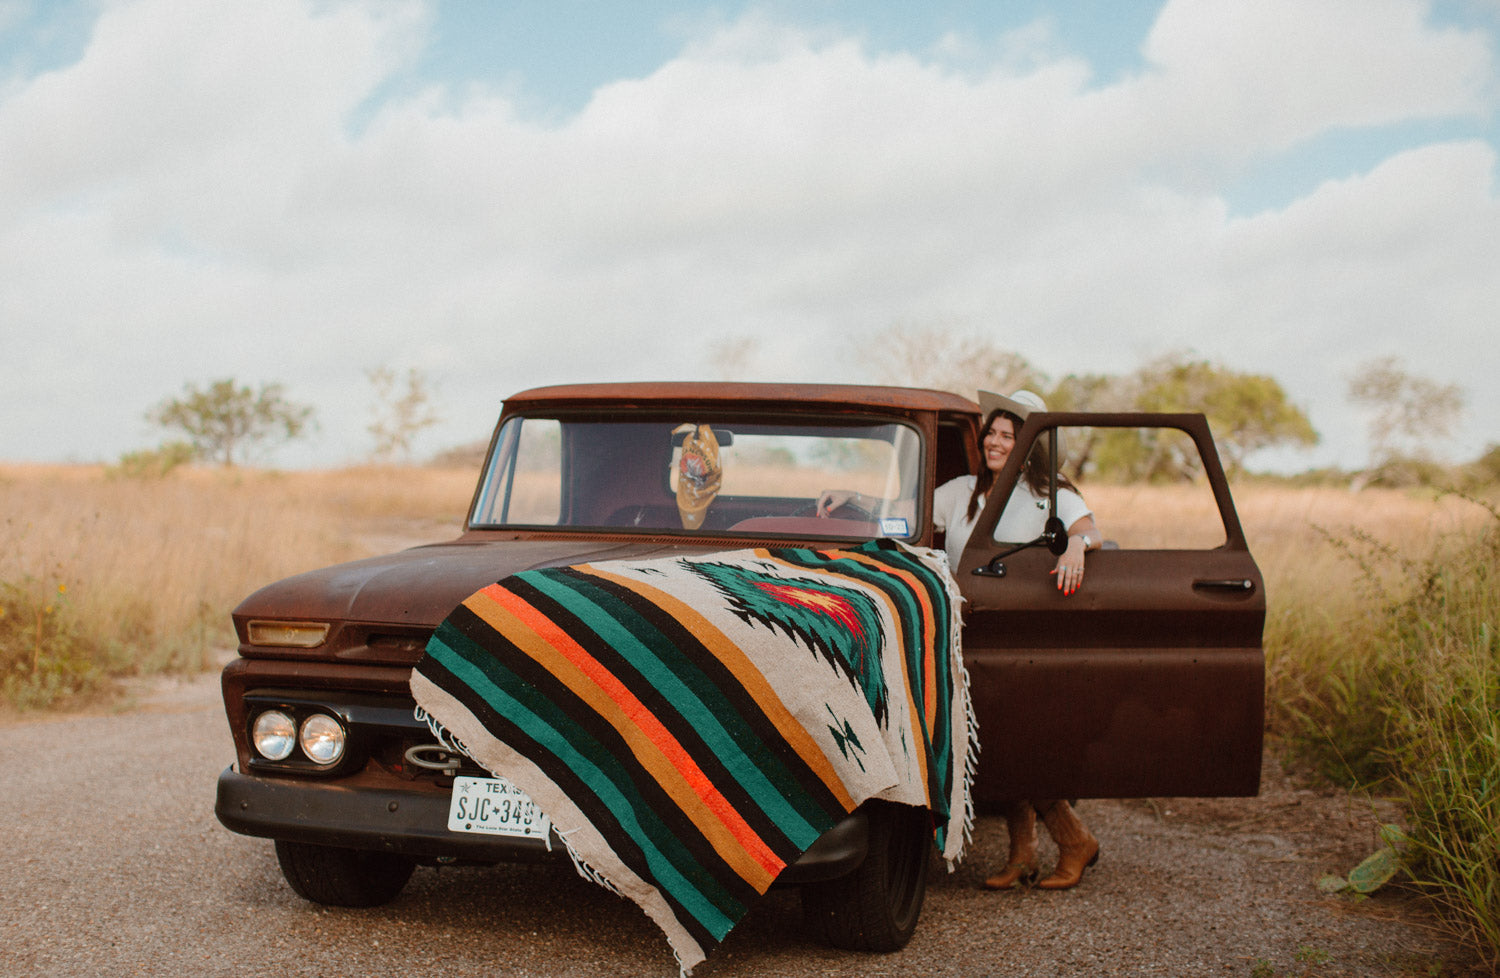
[(274, 735), (322, 738)]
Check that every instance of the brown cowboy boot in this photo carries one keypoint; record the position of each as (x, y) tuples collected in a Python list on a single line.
[(1077, 849), (1020, 821)]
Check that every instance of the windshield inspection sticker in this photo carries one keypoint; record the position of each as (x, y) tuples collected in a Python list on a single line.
[(893, 526)]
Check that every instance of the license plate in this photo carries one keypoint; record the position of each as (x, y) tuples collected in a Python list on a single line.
[(494, 806)]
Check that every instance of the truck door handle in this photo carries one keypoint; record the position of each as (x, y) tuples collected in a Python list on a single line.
[(1240, 584)]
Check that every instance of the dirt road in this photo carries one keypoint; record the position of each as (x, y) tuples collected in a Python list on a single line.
[(115, 865)]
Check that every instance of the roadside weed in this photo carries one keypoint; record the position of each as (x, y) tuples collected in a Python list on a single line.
[(1310, 956), (43, 658), (1408, 704)]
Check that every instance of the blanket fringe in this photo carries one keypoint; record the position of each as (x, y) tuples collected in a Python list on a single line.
[(594, 876), (937, 562), (448, 741), (971, 771), (585, 870), (440, 733)]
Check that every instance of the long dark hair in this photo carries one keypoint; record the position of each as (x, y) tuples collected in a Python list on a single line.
[(1036, 473)]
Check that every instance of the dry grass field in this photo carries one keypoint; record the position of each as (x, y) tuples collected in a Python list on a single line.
[(138, 575)]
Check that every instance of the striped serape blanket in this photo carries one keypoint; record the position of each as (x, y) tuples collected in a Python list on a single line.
[(691, 725)]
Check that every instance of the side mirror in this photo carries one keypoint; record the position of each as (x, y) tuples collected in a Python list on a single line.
[(1056, 536)]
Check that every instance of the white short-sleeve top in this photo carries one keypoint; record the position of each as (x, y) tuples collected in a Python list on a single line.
[(1024, 518)]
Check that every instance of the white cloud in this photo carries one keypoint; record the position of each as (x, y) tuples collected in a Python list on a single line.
[(256, 190), (1275, 72)]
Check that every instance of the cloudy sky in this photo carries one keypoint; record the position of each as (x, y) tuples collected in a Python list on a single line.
[(505, 194)]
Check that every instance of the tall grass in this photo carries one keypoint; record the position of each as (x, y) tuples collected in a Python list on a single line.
[(103, 576), (1333, 561), (1400, 694)]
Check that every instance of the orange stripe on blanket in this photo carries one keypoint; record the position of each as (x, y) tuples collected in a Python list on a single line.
[(929, 635), (745, 672), (659, 752)]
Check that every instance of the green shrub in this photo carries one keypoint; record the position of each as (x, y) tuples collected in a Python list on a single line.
[(1408, 472), (154, 463), (43, 659)]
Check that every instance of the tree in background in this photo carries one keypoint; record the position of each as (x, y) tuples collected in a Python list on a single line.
[(1093, 392), (928, 356), (400, 414), (1247, 412), (1487, 466), (225, 419), (1089, 392), (1406, 411)]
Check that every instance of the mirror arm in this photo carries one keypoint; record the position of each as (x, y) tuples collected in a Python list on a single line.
[(1054, 538), (1052, 475), (996, 569)]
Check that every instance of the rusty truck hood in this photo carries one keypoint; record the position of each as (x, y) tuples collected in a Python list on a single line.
[(420, 586)]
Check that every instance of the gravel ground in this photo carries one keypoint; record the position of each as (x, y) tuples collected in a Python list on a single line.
[(116, 865)]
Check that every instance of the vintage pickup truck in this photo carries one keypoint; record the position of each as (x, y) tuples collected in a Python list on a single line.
[(1146, 682)]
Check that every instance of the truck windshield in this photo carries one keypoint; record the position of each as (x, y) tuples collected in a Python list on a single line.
[(702, 474)]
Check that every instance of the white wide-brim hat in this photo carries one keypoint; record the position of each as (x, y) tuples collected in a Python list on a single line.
[(1021, 403)]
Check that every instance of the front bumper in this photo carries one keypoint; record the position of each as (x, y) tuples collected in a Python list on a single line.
[(415, 823)]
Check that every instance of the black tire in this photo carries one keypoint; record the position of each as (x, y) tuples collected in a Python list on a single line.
[(343, 877), (875, 908)]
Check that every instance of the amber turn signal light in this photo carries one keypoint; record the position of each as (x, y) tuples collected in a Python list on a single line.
[(288, 634)]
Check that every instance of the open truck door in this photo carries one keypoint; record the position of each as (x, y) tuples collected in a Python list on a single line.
[(1149, 680)]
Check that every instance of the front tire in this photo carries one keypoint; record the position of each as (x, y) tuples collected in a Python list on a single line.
[(343, 877), (875, 908)]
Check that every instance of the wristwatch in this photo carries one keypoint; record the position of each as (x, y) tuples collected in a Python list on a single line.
[(1088, 541)]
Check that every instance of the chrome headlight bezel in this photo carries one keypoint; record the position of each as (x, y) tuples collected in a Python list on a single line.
[(322, 739), (327, 741), (273, 735)]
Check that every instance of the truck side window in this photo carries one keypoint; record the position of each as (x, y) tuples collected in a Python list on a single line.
[(525, 487), (1146, 487)]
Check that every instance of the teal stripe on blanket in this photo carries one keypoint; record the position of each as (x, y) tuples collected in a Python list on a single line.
[(753, 736), (610, 783), (647, 650)]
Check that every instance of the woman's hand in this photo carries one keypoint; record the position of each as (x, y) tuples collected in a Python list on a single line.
[(831, 499), (1069, 569)]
